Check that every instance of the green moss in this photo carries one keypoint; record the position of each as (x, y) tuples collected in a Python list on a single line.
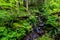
[(45, 37)]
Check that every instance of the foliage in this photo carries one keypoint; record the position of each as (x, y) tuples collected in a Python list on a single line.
[(7, 34), (16, 20), (52, 20), (45, 37), (49, 10), (10, 28)]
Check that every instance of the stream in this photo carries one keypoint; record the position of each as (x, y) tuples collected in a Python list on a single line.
[(37, 29)]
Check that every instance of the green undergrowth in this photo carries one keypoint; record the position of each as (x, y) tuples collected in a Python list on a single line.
[(15, 21), (45, 37)]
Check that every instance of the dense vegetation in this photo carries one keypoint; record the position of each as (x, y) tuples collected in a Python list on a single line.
[(38, 18)]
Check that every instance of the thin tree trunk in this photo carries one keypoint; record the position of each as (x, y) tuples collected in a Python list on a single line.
[(11, 9), (17, 5), (58, 20), (27, 7)]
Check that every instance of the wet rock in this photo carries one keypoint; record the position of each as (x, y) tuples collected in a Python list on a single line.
[(31, 36)]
